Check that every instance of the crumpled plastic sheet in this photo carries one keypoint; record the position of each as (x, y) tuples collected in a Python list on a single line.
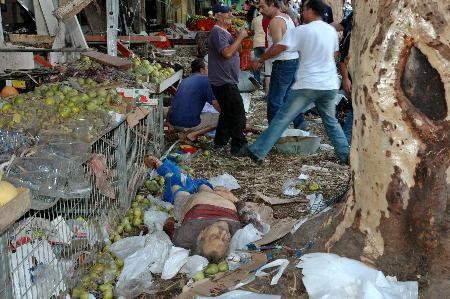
[(136, 277), (155, 219), (194, 264), (327, 275), (226, 180), (177, 258), (289, 187), (244, 236)]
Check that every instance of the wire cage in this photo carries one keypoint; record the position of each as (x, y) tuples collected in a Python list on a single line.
[(44, 253)]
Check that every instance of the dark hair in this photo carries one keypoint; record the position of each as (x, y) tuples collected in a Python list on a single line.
[(197, 64), (276, 3), (316, 5)]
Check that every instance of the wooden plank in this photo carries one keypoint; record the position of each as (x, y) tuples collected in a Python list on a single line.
[(109, 60), (15, 209), (50, 20), (70, 9), (96, 18), (31, 39), (126, 39)]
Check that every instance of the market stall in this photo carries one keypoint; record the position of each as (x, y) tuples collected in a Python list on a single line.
[(76, 139)]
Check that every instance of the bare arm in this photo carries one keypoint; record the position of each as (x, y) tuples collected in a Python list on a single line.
[(338, 27), (273, 51), (276, 29), (228, 52), (346, 83)]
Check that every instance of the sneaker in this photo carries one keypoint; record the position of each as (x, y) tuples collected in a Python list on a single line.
[(254, 158), (242, 152)]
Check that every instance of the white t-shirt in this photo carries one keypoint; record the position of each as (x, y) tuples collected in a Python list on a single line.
[(317, 43)]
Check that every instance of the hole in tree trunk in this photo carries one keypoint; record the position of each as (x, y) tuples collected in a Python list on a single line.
[(423, 86)]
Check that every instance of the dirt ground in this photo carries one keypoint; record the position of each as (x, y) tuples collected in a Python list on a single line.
[(268, 179)]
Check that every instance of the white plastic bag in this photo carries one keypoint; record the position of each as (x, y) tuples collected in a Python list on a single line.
[(161, 244), (177, 258), (238, 294), (126, 247), (226, 180), (290, 187), (327, 275), (136, 276), (155, 219), (244, 236), (194, 264)]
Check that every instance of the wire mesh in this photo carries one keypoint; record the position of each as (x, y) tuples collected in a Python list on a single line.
[(43, 254)]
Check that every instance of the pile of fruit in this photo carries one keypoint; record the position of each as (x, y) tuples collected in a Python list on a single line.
[(101, 277), (59, 107), (211, 270), (154, 72)]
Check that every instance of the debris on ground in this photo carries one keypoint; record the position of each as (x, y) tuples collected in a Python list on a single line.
[(327, 275)]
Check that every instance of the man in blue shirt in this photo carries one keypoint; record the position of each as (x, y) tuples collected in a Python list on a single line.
[(185, 114)]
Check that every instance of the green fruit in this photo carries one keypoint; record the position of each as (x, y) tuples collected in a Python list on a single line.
[(7, 107), (199, 276), (91, 106), (119, 263), (19, 100), (50, 101), (102, 92), (127, 228), (151, 186), (211, 269), (161, 181), (134, 204), (139, 198), (313, 186), (84, 295), (206, 153), (77, 292), (117, 238), (137, 212), (137, 222), (223, 266), (119, 229), (75, 110), (107, 294)]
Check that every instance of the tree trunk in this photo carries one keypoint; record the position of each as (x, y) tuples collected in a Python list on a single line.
[(336, 6), (397, 213)]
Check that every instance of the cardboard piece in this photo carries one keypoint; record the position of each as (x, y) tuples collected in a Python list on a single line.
[(223, 281), (134, 117), (14, 209), (275, 200), (278, 227)]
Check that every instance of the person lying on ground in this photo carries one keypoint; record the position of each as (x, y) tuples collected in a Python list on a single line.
[(185, 114), (205, 218)]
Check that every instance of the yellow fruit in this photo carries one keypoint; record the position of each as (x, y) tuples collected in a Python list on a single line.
[(313, 186), (7, 192), (7, 107)]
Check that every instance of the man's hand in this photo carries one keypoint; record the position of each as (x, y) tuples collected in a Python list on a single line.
[(347, 85), (255, 64), (243, 34)]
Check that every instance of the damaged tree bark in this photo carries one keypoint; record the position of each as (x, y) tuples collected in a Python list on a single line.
[(397, 213)]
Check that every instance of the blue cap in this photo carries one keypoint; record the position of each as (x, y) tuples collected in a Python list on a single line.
[(222, 8)]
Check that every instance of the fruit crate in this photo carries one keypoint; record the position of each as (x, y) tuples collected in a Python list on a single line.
[(44, 253)]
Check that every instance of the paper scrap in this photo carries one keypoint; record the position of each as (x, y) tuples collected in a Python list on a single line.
[(280, 263), (275, 200)]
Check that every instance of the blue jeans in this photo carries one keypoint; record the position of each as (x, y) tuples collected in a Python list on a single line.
[(348, 125), (257, 52), (281, 80), (299, 99)]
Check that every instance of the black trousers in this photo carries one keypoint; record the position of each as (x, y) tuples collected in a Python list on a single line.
[(232, 117)]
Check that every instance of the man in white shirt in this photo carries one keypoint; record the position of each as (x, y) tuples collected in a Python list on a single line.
[(316, 81), (284, 65)]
